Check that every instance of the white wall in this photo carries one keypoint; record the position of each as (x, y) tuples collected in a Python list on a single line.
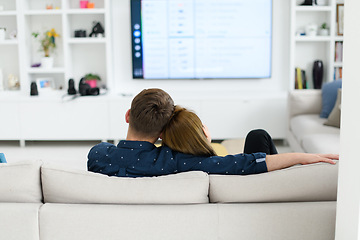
[(348, 205), (123, 62)]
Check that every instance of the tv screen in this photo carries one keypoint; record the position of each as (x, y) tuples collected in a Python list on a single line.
[(201, 39)]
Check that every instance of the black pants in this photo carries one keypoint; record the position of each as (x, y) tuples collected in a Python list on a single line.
[(259, 141)]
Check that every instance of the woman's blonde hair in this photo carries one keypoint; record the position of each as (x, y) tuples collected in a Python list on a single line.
[(184, 133)]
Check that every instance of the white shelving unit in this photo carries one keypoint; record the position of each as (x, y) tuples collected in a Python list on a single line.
[(73, 58), (304, 50)]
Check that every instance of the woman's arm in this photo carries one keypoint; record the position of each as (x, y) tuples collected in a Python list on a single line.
[(284, 160)]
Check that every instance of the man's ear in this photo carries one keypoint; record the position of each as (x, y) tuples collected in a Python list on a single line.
[(127, 116)]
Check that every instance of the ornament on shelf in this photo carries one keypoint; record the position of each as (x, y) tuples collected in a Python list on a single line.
[(97, 29), (311, 30), (13, 82), (49, 6), (83, 4), (13, 34), (33, 89), (47, 45)]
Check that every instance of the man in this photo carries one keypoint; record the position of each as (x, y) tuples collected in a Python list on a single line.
[(137, 156)]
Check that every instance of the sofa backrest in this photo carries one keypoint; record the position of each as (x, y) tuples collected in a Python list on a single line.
[(304, 102), (20, 182), (65, 185), (301, 183)]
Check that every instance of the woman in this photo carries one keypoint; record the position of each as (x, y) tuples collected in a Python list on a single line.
[(185, 133)]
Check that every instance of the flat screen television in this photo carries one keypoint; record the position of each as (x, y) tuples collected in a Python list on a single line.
[(201, 39)]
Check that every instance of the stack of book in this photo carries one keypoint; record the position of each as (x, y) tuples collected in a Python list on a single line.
[(338, 51), (300, 79), (338, 73)]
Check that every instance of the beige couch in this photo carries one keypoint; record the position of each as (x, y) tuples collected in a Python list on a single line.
[(49, 202), (306, 132)]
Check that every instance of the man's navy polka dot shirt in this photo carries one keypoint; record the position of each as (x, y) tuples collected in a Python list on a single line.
[(140, 159)]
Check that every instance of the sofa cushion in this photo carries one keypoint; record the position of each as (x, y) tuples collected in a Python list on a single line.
[(20, 182), (302, 183), (329, 94), (321, 143), (335, 115), (64, 185), (302, 125), (129, 222), (19, 221)]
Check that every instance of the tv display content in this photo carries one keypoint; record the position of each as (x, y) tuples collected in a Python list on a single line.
[(201, 39)]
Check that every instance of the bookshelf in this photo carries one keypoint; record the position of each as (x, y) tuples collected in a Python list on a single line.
[(73, 58), (304, 50)]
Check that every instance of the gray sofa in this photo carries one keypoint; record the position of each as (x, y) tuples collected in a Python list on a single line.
[(306, 130), (50, 202)]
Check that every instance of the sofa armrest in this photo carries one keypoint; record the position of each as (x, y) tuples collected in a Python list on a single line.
[(304, 102)]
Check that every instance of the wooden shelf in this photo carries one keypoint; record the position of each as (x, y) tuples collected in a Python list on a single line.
[(313, 8), (86, 40), (9, 42), (44, 12), (7, 13), (46, 70), (313, 39), (86, 11)]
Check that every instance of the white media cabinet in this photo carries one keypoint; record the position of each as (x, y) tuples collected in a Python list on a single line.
[(51, 117)]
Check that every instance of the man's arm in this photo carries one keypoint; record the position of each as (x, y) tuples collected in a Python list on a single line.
[(284, 160)]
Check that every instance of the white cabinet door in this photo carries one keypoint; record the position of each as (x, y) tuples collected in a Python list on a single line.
[(80, 119), (9, 127)]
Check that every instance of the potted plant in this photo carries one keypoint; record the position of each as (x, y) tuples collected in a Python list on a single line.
[(2, 33), (92, 79), (48, 45), (324, 30)]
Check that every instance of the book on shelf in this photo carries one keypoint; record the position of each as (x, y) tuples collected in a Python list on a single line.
[(338, 51), (300, 79), (337, 73)]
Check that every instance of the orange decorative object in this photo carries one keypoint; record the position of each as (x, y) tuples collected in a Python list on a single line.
[(90, 5), (49, 6)]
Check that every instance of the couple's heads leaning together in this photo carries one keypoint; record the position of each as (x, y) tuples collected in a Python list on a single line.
[(154, 115)]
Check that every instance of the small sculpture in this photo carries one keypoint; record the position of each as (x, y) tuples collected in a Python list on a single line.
[(13, 82), (97, 29), (13, 34), (33, 89)]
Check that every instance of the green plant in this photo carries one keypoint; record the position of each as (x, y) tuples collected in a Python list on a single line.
[(3, 28), (92, 77), (324, 26), (47, 41)]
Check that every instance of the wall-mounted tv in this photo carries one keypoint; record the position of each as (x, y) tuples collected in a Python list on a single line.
[(201, 39)]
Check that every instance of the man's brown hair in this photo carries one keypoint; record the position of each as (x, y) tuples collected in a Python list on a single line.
[(150, 111)]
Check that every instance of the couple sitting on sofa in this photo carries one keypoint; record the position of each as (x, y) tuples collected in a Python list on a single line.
[(185, 145)]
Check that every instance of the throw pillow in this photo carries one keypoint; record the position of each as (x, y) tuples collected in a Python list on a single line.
[(329, 94), (334, 117)]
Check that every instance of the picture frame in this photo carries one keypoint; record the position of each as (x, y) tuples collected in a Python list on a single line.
[(45, 84), (340, 18)]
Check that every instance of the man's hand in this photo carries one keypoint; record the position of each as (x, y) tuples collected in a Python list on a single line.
[(280, 161)]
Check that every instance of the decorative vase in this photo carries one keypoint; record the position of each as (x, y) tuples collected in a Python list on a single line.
[(83, 4), (92, 83), (2, 34), (47, 62), (311, 30), (324, 32), (318, 73)]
